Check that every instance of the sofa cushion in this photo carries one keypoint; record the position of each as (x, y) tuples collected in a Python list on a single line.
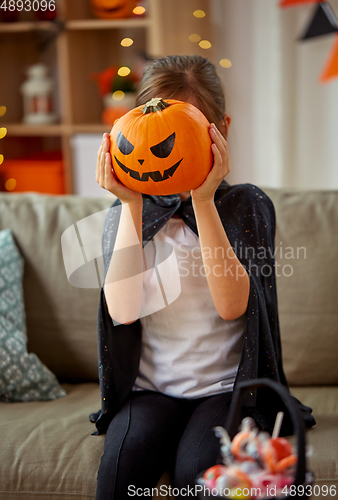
[(47, 447), (307, 284), (22, 375), (47, 450), (61, 319)]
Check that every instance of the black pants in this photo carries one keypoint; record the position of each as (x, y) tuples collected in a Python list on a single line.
[(152, 433)]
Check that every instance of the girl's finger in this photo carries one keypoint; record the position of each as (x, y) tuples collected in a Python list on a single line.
[(223, 168), (103, 159), (106, 143), (98, 157), (97, 170), (219, 135), (100, 168), (217, 156), (219, 139), (109, 176), (99, 150)]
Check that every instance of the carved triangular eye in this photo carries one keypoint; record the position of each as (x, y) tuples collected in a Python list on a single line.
[(164, 148), (123, 144)]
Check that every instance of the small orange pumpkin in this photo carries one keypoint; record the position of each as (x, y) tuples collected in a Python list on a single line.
[(113, 9), (113, 113), (162, 148)]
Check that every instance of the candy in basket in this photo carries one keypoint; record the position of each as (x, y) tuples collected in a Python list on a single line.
[(255, 464)]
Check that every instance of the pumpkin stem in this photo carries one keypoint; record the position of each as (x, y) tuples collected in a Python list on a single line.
[(156, 104)]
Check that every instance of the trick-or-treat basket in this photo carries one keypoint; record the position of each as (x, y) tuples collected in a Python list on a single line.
[(299, 481)]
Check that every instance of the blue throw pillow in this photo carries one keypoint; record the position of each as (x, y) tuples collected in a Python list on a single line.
[(23, 377)]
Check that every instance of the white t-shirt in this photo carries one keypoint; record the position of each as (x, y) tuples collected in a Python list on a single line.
[(188, 350)]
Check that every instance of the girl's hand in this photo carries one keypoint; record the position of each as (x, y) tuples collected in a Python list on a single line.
[(220, 168), (106, 177)]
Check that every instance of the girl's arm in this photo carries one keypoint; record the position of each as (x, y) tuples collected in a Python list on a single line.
[(123, 284), (228, 281)]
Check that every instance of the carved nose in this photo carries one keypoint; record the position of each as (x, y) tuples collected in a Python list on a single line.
[(141, 162)]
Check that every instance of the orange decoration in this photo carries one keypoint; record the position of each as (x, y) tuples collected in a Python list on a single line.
[(331, 66), (238, 476), (162, 148), (285, 463), (111, 114), (215, 471), (239, 443), (282, 446), (105, 79), (292, 3), (269, 456), (41, 173), (113, 9)]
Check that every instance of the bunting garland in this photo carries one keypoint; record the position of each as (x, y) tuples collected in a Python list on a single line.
[(331, 66), (291, 3), (323, 22)]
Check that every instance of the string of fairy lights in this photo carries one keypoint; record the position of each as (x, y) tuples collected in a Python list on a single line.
[(118, 95), (206, 44)]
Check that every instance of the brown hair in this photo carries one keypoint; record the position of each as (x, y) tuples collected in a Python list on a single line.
[(179, 77)]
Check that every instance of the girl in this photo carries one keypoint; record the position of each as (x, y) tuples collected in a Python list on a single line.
[(167, 378)]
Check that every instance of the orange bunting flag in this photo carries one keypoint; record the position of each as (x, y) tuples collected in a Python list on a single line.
[(331, 66), (292, 3)]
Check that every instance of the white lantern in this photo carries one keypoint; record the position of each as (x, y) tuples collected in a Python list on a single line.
[(37, 93)]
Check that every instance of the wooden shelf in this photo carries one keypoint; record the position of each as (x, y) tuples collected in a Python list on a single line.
[(28, 26), (102, 24), (89, 129), (84, 46), (23, 130), (79, 24)]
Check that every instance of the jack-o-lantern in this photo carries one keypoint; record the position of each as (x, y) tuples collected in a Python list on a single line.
[(113, 9), (162, 148)]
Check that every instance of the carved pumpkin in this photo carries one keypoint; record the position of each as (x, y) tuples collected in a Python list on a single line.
[(113, 9), (162, 148)]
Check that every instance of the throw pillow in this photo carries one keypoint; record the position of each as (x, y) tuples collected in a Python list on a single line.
[(23, 377)]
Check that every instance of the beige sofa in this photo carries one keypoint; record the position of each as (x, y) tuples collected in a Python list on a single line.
[(47, 450)]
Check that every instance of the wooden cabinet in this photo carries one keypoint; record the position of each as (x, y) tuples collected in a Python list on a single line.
[(72, 47)]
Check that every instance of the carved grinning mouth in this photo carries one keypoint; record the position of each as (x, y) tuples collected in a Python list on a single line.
[(155, 176)]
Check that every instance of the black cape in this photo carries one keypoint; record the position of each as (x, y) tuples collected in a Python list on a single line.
[(248, 217)]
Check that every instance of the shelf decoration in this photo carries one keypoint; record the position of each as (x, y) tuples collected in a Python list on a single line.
[(41, 173), (117, 87), (323, 22), (330, 69), (37, 93), (113, 9)]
